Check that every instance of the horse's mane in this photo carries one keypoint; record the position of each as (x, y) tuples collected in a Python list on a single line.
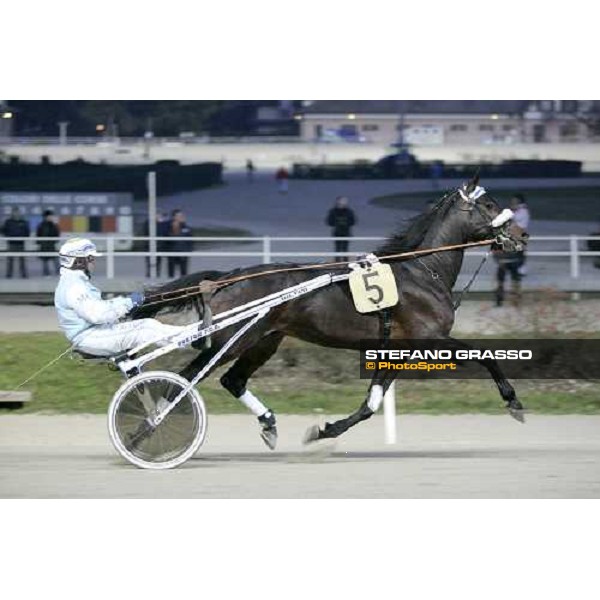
[(412, 231)]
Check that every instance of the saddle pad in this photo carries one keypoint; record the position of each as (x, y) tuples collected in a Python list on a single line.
[(373, 288)]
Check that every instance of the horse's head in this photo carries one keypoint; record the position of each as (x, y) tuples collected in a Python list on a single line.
[(486, 220)]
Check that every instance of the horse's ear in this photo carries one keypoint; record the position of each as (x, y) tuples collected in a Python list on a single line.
[(474, 182)]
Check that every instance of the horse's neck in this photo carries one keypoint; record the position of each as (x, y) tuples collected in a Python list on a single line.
[(446, 264)]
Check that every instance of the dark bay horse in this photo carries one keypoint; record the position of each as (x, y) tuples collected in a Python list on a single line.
[(328, 317)]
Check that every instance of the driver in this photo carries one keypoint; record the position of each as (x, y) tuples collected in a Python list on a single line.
[(90, 323)]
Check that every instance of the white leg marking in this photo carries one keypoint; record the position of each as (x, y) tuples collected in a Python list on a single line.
[(375, 398), (253, 403)]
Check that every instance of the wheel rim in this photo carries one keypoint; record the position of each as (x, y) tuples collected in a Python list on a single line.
[(169, 440)]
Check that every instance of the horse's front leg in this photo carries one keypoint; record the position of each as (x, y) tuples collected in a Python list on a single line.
[(379, 385), (507, 391)]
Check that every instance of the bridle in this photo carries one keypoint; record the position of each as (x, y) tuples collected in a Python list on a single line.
[(499, 229), (499, 224)]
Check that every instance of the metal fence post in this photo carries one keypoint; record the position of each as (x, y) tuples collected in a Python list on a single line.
[(266, 249), (574, 249), (389, 414), (110, 258), (151, 183)]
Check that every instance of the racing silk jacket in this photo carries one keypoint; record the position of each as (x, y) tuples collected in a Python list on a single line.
[(79, 304)]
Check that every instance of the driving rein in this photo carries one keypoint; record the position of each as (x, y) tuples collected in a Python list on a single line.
[(208, 286)]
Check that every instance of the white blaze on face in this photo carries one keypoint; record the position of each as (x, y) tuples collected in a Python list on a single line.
[(505, 216)]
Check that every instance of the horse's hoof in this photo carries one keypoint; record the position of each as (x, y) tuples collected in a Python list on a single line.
[(517, 413), (268, 431), (312, 434), (269, 437)]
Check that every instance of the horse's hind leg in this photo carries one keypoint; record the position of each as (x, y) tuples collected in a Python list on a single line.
[(379, 386), (236, 378)]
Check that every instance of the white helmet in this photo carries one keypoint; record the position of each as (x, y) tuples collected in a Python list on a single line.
[(76, 248)]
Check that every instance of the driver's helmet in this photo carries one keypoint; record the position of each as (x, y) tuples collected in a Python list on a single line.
[(76, 248)]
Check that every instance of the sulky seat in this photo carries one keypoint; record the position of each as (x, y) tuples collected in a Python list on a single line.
[(111, 361)]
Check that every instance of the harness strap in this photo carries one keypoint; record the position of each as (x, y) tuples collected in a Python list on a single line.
[(385, 316), (204, 310), (468, 286), (385, 320), (207, 317)]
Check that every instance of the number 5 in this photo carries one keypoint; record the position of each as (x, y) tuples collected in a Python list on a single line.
[(369, 287)]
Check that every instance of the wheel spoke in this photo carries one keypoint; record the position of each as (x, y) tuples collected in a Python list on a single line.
[(170, 442)]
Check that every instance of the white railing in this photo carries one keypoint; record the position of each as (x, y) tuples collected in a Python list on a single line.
[(266, 252)]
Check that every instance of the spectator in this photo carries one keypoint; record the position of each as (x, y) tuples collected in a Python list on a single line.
[(282, 177), (594, 246), (179, 228), (521, 218), (511, 262), (16, 226), (250, 171), (162, 230), (48, 229), (521, 210), (341, 219), (436, 171)]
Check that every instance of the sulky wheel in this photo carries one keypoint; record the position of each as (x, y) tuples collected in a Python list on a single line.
[(141, 430)]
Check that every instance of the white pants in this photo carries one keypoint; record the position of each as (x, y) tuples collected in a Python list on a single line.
[(108, 340)]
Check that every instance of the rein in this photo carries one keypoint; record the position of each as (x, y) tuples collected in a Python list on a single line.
[(211, 286)]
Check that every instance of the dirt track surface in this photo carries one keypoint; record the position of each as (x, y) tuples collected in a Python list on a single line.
[(469, 456)]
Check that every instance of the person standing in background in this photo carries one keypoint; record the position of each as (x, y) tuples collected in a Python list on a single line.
[(282, 176), (341, 219), (435, 171), (48, 228), (594, 246), (508, 262), (16, 226), (521, 217), (179, 228), (512, 263), (250, 171)]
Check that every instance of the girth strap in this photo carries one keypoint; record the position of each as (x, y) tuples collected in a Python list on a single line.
[(385, 316), (205, 313)]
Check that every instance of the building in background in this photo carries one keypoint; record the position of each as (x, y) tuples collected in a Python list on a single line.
[(451, 122), (249, 118)]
